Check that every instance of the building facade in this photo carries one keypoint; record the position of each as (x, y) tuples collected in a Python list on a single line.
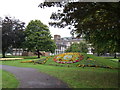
[(63, 43)]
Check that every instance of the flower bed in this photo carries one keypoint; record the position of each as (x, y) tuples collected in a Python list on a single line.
[(29, 61), (68, 58), (83, 65), (7, 59), (46, 60)]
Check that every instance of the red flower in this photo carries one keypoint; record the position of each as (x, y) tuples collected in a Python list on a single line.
[(77, 60)]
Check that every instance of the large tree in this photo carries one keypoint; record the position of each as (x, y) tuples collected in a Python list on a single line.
[(97, 21), (0, 35), (12, 33), (38, 37)]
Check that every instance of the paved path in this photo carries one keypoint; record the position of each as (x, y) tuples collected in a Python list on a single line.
[(32, 78)]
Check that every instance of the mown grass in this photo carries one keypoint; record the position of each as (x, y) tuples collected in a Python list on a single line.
[(99, 61), (112, 59), (103, 61), (8, 80), (0, 79), (77, 77)]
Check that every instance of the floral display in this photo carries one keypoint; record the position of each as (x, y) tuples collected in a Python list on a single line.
[(41, 61), (29, 61), (84, 65), (46, 60), (68, 58), (89, 59)]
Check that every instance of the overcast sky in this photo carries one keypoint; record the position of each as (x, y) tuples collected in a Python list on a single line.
[(27, 10)]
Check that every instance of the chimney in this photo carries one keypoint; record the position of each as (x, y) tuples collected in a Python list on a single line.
[(57, 37)]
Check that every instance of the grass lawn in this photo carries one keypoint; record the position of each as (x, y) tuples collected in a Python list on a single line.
[(8, 80), (113, 59), (77, 77), (0, 79)]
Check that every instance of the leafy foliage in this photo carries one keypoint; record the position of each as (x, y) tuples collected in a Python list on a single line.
[(12, 34), (75, 47), (99, 22), (38, 37)]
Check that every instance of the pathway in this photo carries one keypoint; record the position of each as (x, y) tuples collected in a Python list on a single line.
[(32, 78)]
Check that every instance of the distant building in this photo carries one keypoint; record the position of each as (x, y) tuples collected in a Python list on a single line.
[(21, 52), (57, 37), (64, 43)]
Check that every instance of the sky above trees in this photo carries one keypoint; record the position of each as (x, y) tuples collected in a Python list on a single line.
[(27, 10)]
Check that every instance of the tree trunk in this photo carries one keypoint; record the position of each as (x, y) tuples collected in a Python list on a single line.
[(98, 54), (19, 51), (38, 53), (115, 56), (15, 51), (3, 54)]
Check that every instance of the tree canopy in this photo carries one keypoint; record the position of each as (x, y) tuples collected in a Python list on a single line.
[(99, 22), (38, 37), (78, 47), (12, 33)]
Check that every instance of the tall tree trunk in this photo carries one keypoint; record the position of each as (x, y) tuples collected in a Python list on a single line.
[(38, 53), (115, 56), (19, 51), (3, 54), (15, 51), (98, 54)]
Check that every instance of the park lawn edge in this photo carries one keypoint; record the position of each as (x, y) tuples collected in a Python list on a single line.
[(13, 82), (43, 68)]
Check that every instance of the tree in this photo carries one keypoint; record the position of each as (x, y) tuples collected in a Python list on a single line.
[(0, 35), (12, 34), (97, 21), (38, 37), (75, 47)]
